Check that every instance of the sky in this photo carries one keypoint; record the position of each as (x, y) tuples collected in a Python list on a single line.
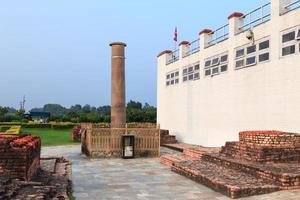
[(57, 51)]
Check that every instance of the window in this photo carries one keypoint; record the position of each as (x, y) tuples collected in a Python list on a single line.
[(240, 53), (289, 41), (224, 68), (207, 72), (216, 65), (215, 70), (298, 34), (196, 76), (172, 78), (264, 45), (191, 73), (288, 50), (288, 37), (215, 62), (263, 57), (251, 61), (239, 63), (224, 58), (251, 49), (255, 53), (207, 63), (184, 72)]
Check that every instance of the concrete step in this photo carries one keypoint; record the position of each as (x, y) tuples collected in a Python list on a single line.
[(230, 182)]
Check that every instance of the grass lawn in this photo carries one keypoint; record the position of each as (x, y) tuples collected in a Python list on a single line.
[(51, 137)]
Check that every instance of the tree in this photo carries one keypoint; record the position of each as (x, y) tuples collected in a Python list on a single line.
[(134, 105), (55, 109), (86, 108), (3, 110)]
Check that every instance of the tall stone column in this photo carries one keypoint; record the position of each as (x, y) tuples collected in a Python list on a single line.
[(118, 109)]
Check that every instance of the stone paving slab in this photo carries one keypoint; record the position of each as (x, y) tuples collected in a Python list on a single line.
[(140, 179)]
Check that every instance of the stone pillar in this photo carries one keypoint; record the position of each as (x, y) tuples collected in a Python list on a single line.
[(205, 37), (118, 108)]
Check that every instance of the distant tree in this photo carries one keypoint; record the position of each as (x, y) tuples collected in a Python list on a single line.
[(86, 108), (73, 116), (3, 110), (55, 109), (77, 109), (134, 105), (104, 110)]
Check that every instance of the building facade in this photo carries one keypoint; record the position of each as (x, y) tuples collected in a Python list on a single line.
[(244, 75)]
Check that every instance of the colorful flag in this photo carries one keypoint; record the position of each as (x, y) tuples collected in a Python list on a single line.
[(175, 35)]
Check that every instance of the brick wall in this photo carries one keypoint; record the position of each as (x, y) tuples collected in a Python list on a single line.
[(19, 156)]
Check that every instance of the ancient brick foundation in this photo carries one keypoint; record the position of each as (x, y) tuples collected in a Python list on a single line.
[(260, 162), (19, 156), (166, 138), (76, 133), (53, 181)]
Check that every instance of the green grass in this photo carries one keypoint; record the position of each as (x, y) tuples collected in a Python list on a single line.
[(51, 137)]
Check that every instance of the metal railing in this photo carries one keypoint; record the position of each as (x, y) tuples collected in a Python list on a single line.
[(219, 35), (256, 17), (192, 48), (173, 57), (291, 6)]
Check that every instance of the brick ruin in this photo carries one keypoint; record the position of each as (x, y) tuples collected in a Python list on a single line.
[(24, 175), (260, 162), (76, 133), (166, 138), (19, 156)]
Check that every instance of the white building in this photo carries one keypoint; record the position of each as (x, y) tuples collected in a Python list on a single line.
[(242, 76)]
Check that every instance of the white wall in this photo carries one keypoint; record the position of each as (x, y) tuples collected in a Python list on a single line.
[(212, 110)]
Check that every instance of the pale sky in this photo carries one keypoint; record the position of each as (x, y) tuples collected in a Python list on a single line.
[(57, 51)]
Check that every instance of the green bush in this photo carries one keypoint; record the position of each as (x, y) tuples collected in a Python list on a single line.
[(35, 125), (63, 125), (10, 123)]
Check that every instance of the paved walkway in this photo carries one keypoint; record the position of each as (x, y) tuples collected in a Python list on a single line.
[(138, 179)]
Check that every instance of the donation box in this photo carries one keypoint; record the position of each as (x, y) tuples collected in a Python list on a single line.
[(128, 146)]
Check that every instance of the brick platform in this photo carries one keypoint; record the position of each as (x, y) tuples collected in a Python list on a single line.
[(261, 162), (19, 156), (264, 146)]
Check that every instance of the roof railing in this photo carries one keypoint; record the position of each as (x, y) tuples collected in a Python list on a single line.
[(173, 57), (291, 6), (219, 35), (192, 48), (256, 17)]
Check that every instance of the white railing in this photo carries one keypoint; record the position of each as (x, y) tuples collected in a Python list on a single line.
[(192, 48), (219, 35), (256, 17), (294, 4), (173, 57)]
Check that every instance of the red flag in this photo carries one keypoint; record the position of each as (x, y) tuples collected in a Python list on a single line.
[(175, 35)]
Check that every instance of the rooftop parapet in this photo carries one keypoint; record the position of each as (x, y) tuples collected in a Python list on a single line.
[(237, 24)]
